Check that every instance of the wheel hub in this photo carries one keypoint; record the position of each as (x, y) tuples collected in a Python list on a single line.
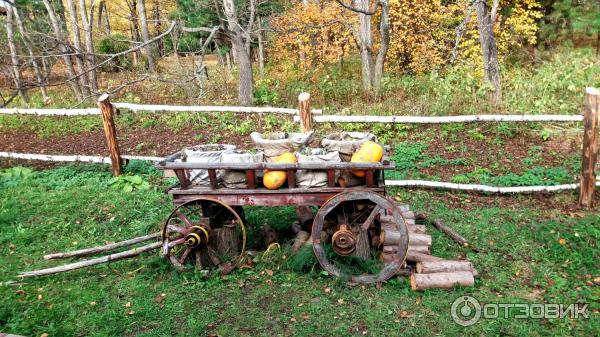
[(198, 235), (344, 241)]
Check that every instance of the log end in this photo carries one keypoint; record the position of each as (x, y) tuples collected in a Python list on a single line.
[(592, 91), (303, 97), (413, 282), (102, 98)]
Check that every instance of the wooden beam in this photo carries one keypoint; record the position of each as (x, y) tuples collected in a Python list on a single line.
[(110, 131), (589, 154), (305, 113)]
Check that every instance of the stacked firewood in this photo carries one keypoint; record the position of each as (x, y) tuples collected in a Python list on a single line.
[(425, 270)]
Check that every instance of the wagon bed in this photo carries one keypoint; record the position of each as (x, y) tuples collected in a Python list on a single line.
[(257, 195)]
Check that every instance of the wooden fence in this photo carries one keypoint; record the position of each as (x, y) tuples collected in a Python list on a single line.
[(307, 116)]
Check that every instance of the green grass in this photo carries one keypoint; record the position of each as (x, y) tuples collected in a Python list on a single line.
[(519, 257)]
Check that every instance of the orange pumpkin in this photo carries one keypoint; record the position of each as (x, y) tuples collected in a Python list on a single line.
[(275, 179), (369, 152)]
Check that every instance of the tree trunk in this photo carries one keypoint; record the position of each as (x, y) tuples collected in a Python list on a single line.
[(103, 20), (384, 31), (135, 28), (60, 36), (491, 67), (147, 50), (157, 25), (28, 44), (242, 54), (14, 56), (441, 280), (86, 23), (261, 49), (80, 59), (365, 37)]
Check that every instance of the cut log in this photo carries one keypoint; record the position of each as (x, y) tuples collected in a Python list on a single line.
[(363, 248), (441, 280), (415, 239), (419, 229), (226, 240), (305, 113), (101, 249), (390, 237), (439, 224), (414, 256), (418, 249), (431, 267), (87, 263), (305, 217), (269, 235), (300, 240)]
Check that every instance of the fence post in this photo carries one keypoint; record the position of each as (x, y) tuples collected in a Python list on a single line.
[(110, 131), (305, 113), (590, 147)]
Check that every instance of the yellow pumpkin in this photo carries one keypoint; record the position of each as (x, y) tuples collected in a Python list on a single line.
[(275, 179), (369, 152)]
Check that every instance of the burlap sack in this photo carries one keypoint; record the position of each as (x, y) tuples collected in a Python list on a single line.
[(276, 143), (210, 153), (234, 178), (315, 178), (346, 143)]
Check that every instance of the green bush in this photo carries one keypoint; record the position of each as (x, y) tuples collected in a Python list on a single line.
[(116, 43)]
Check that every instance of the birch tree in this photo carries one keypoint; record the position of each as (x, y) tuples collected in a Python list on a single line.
[(60, 36), (491, 66), (86, 23), (147, 50), (80, 59), (14, 56), (372, 63)]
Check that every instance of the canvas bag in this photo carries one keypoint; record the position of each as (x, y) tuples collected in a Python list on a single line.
[(316, 178), (346, 143), (210, 153), (236, 178), (276, 143)]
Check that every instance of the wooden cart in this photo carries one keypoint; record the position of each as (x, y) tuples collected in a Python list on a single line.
[(358, 233)]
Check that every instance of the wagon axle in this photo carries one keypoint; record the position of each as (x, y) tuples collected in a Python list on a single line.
[(344, 241), (196, 236)]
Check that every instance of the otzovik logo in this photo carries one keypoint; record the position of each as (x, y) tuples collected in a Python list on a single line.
[(467, 310)]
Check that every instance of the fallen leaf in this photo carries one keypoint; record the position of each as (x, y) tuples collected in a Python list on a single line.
[(562, 242), (128, 304), (406, 314), (131, 312), (20, 292), (293, 320), (44, 335), (159, 298), (340, 301), (597, 280), (269, 272), (39, 297), (305, 317), (327, 290), (419, 301), (92, 303)]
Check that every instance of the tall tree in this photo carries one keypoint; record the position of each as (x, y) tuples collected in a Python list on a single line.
[(63, 43), (147, 50), (32, 58), (80, 58), (240, 42), (491, 66), (14, 56), (372, 63), (86, 23)]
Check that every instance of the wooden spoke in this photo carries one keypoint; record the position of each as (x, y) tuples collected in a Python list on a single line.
[(183, 218), (365, 226), (213, 256), (198, 258), (184, 255)]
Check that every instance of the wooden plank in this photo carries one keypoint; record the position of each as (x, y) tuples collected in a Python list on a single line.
[(201, 190), (275, 166), (291, 178), (331, 178), (250, 179), (263, 199), (212, 177)]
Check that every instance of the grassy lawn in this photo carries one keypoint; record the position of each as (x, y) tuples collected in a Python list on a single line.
[(528, 250)]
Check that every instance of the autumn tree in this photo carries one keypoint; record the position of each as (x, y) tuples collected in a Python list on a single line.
[(372, 62), (312, 35)]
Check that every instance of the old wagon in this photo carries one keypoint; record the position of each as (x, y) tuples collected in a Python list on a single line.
[(358, 233)]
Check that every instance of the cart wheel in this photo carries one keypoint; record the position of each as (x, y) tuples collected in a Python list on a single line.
[(204, 233), (351, 243)]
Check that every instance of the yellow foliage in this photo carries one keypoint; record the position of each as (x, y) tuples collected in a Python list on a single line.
[(415, 35), (517, 29), (119, 15), (313, 35)]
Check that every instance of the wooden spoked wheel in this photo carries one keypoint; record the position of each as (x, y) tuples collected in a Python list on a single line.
[(350, 242), (204, 233)]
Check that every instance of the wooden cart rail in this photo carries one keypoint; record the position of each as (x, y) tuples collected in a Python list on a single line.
[(181, 170)]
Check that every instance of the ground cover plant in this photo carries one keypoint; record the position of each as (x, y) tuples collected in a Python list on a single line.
[(527, 249)]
